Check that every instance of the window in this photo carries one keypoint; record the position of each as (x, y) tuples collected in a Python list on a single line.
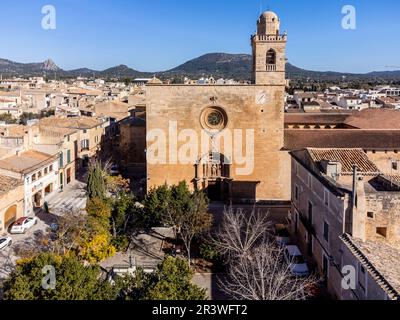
[(61, 161), (68, 156), (296, 192), (395, 165), (51, 168), (326, 197), (309, 181), (85, 144), (84, 131), (326, 231), (34, 177), (39, 174), (271, 57), (310, 212), (46, 170), (381, 231), (370, 215)]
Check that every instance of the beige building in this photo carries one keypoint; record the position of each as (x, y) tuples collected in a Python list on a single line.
[(11, 201), (346, 212), (62, 142), (90, 135), (251, 116), (39, 174)]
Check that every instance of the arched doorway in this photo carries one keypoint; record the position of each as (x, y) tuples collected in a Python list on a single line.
[(10, 216), (213, 176)]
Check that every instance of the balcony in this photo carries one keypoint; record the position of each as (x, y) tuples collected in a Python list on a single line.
[(271, 67)]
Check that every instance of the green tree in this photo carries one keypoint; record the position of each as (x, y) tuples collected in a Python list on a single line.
[(96, 181), (173, 282), (74, 281), (196, 220), (26, 116), (123, 213), (95, 244), (99, 212), (8, 118), (179, 205), (155, 206)]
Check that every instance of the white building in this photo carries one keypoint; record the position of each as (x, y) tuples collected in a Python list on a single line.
[(39, 171)]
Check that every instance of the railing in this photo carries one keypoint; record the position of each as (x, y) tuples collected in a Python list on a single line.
[(271, 67), (263, 37)]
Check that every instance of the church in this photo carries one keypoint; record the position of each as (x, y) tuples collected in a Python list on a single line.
[(225, 139)]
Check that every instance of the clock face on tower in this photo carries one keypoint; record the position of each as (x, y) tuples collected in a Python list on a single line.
[(262, 97)]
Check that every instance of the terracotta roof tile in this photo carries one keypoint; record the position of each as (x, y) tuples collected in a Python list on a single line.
[(342, 138), (7, 184), (347, 157)]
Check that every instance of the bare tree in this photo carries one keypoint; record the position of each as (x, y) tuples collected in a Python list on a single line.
[(264, 275), (240, 232), (71, 227), (256, 266)]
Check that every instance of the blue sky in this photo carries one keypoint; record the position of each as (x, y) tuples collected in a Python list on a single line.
[(154, 35)]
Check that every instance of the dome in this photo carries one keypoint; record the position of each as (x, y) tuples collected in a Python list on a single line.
[(269, 15)]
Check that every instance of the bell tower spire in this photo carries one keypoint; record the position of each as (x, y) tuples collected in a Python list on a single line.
[(269, 51)]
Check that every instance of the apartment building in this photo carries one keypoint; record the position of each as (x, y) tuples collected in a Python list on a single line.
[(90, 135), (62, 142), (39, 173), (346, 213)]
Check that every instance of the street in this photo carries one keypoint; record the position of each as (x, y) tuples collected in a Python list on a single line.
[(72, 199)]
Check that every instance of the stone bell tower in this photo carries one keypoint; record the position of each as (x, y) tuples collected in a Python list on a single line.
[(269, 51)]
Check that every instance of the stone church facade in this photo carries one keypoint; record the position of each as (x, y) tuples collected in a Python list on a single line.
[(225, 139)]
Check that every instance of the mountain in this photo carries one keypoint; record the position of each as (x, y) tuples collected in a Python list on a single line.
[(218, 65), (238, 66), (123, 71), (82, 72), (9, 67)]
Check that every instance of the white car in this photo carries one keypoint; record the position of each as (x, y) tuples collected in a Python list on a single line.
[(5, 242), (23, 224), (297, 263)]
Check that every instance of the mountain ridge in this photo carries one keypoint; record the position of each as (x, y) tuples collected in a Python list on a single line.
[(218, 65)]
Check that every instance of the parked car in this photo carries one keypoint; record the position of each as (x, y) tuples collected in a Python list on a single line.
[(297, 263), (282, 236), (23, 224), (5, 242)]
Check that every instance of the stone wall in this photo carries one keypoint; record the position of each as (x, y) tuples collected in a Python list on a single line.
[(384, 212), (14, 197), (259, 108)]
